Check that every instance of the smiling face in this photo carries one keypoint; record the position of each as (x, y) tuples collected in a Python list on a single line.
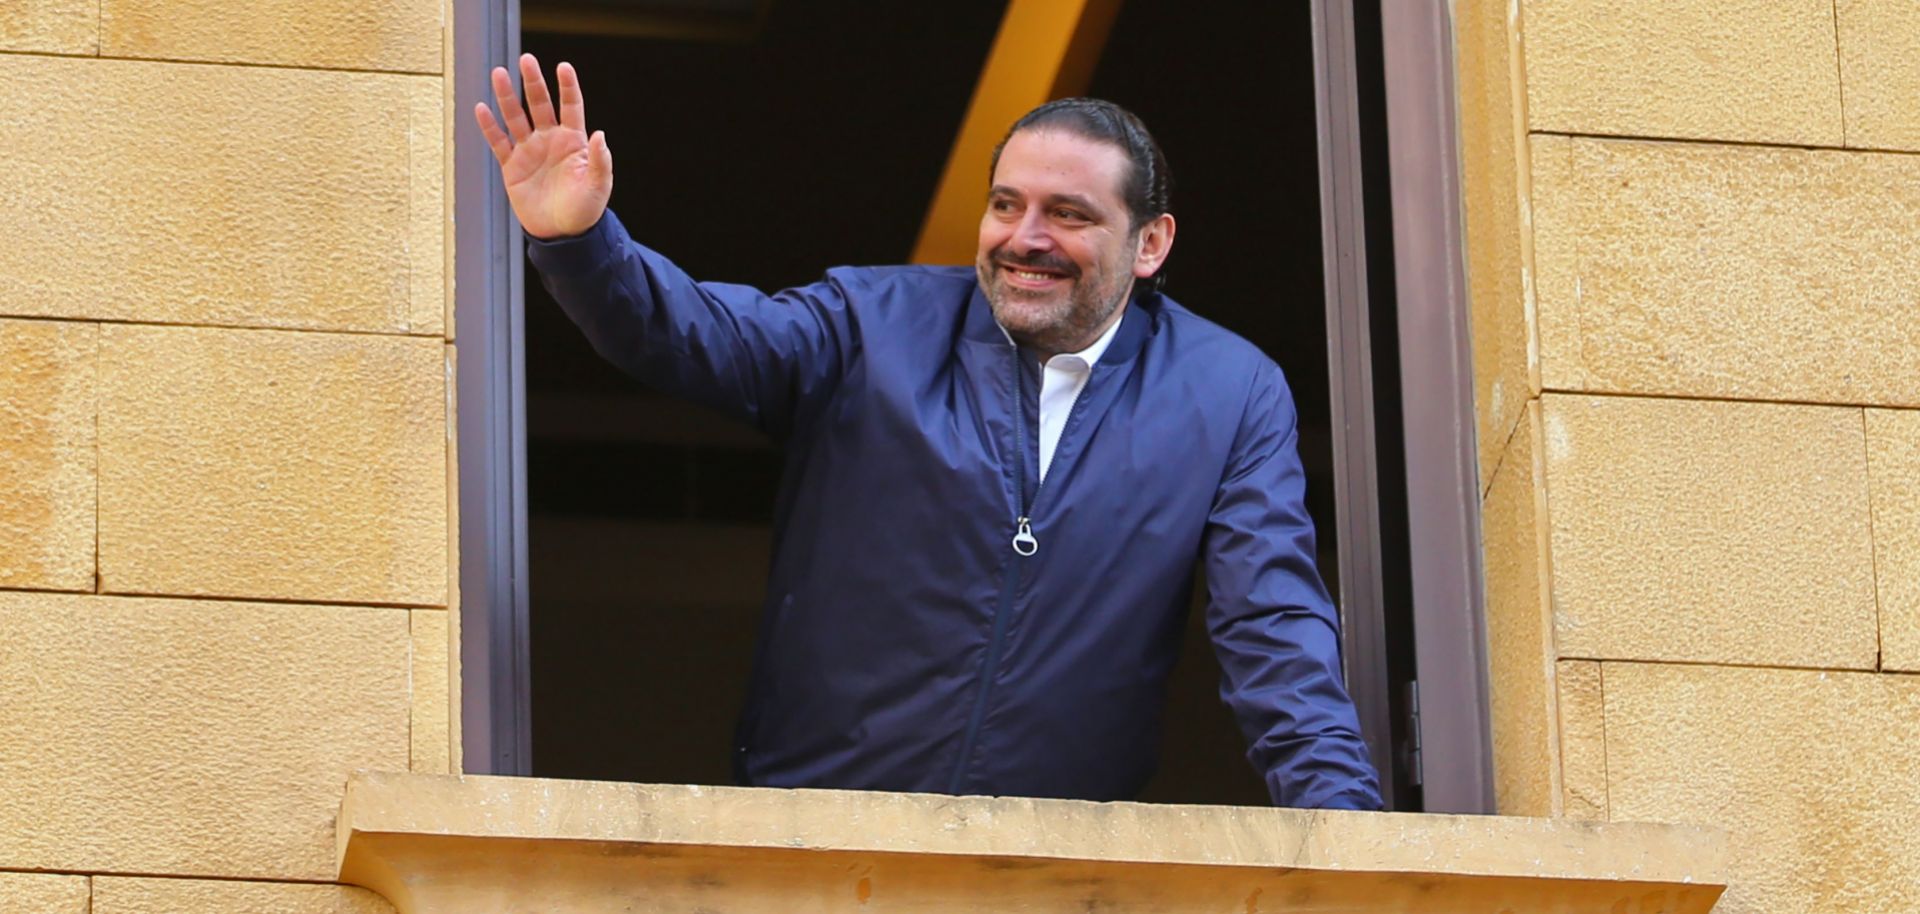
[(1058, 254)]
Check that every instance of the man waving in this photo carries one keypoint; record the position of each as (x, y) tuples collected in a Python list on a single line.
[(997, 480)]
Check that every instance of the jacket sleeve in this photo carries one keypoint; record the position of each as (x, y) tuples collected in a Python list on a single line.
[(756, 357), (1273, 625)]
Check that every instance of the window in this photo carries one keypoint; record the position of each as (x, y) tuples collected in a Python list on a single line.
[(643, 523)]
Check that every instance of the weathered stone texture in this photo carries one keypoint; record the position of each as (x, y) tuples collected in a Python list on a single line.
[(1709, 531), (1752, 70), (432, 701), (187, 193), (430, 220), (1893, 466), (47, 387), (1491, 160), (1583, 739), (1519, 635), (254, 463), (50, 26), (1734, 272), (1811, 773), (1553, 205), (116, 895), (437, 843), (353, 34), (1880, 73), (34, 893), (188, 737)]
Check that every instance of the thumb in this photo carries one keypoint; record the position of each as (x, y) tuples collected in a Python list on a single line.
[(599, 158)]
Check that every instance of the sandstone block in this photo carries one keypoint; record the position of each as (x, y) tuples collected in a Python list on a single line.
[(1492, 159), (1709, 531), (1758, 71), (1519, 634), (1553, 205), (1811, 773), (1583, 739), (238, 196), (353, 34), (251, 463), (1879, 73), (1893, 464), (35, 893), (1730, 272), (429, 213), (50, 26), (518, 844), (47, 389), (432, 700), (189, 737), (116, 895)]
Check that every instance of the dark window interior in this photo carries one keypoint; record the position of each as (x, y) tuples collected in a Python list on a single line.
[(817, 140)]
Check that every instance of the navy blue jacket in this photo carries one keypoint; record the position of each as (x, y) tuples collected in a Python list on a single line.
[(905, 643)]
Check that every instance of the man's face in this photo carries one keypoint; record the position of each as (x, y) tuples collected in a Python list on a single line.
[(1057, 257)]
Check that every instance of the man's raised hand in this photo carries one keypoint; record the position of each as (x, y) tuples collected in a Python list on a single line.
[(558, 178)]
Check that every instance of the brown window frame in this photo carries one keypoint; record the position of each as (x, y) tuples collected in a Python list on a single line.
[(490, 405)]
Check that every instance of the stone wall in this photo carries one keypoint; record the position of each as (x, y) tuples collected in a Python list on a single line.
[(1694, 240), (226, 527)]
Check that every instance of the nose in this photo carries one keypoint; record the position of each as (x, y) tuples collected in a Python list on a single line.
[(1031, 235)]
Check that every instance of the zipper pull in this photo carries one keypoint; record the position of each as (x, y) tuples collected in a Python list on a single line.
[(1023, 541)]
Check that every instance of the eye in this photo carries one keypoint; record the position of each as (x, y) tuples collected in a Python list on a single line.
[(1069, 215), (1000, 205)]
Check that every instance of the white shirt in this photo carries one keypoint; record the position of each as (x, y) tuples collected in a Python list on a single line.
[(1062, 378)]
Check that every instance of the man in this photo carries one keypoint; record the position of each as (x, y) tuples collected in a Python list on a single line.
[(997, 480)]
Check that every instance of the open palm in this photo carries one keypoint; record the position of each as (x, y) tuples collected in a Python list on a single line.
[(557, 177)]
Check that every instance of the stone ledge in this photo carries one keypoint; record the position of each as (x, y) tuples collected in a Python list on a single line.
[(434, 843)]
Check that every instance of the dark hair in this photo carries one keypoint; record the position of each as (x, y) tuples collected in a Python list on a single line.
[(1146, 191)]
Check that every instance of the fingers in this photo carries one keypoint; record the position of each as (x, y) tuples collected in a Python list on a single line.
[(573, 108), (489, 128), (539, 104), (599, 158), (510, 110)]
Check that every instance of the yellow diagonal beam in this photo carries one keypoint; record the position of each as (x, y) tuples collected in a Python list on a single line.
[(1046, 49)]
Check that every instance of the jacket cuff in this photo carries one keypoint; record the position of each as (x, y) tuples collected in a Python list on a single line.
[(1359, 802), (578, 253), (1359, 794)]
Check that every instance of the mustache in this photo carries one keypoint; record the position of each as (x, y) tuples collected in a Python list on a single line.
[(1038, 261)]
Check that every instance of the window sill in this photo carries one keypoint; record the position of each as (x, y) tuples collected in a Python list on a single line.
[(440, 843)]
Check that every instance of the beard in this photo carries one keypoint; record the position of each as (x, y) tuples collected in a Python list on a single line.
[(1051, 320)]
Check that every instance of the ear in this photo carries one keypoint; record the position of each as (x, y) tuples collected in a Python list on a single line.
[(1156, 242)]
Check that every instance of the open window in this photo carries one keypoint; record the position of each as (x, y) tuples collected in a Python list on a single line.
[(614, 542)]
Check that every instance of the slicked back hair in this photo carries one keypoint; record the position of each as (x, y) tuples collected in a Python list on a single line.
[(1147, 189)]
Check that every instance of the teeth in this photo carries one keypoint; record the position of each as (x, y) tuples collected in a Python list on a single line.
[(1036, 277)]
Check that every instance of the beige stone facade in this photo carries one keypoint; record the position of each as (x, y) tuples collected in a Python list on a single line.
[(225, 353), (226, 568), (1694, 230)]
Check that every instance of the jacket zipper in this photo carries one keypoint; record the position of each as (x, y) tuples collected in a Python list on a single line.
[(1024, 545)]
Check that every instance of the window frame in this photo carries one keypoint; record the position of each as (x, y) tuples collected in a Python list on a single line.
[(1455, 735), (1453, 732), (490, 408), (1362, 596)]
